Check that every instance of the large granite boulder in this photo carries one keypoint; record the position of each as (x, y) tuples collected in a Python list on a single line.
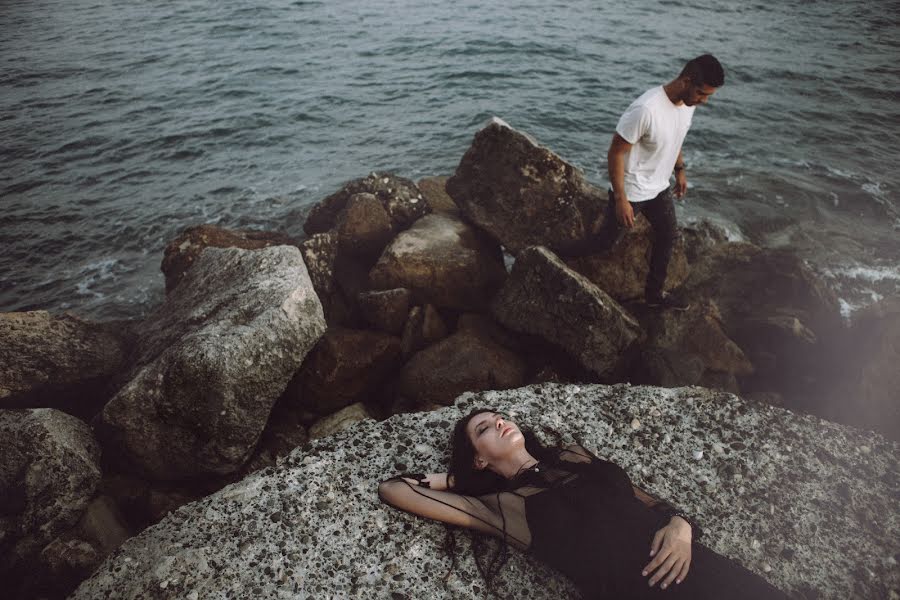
[(683, 348), (521, 193), (400, 198), (58, 361), (49, 470), (346, 366), (212, 361), (181, 252), (544, 297), (806, 504), (468, 360), (777, 310), (622, 272), (443, 261)]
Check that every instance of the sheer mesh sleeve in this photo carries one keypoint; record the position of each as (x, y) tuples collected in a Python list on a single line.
[(501, 514)]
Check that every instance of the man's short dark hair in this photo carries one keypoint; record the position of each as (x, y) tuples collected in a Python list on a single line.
[(704, 70)]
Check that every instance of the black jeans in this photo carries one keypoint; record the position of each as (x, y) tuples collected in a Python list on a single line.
[(660, 212)]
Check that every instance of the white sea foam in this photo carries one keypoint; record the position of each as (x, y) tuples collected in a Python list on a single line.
[(870, 274)]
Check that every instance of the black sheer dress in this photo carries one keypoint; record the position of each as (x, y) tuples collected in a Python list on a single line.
[(581, 515)]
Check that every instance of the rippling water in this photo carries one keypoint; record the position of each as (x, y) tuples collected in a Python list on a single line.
[(123, 123)]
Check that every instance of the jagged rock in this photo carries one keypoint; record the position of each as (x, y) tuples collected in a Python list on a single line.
[(49, 470), (444, 262), (699, 237), (58, 361), (622, 272), (521, 193), (363, 227), (319, 254), (683, 347), (466, 361), (400, 198), (212, 361), (181, 252), (433, 326), (544, 297), (339, 421), (346, 366), (385, 310), (413, 338), (772, 488), (434, 189), (776, 309), (864, 371)]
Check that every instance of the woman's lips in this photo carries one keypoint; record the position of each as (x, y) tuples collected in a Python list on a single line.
[(506, 430)]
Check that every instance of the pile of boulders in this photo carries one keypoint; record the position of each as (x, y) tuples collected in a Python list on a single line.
[(402, 296)]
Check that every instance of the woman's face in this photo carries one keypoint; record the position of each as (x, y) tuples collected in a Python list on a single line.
[(493, 436)]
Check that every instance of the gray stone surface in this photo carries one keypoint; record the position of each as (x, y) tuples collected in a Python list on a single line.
[(544, 297), (443, 261), (45, 355), (807, 504), (522, 193), (212, 361), (49, 469)]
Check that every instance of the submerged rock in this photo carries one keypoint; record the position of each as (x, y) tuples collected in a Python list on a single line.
[(544, 297), (212, 361), (521, 193), (820, 508)]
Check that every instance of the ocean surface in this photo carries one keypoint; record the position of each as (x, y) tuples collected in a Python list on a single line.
[(122, 123)]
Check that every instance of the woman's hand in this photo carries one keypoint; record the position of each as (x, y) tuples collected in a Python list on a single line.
[(434, 481), (671, 552)]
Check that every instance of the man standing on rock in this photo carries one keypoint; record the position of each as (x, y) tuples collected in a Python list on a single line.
[(644, 152)]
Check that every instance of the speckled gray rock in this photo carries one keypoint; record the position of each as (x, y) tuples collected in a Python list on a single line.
[(45, 356), (49, 469), (213, 359), (444, 261), (809, 505), (546, 298), (399, 196), (521, 193)]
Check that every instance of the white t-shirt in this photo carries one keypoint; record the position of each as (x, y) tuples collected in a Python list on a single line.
[(656, 128)]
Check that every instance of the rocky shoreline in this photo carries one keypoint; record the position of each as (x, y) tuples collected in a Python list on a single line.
[(404, 296)]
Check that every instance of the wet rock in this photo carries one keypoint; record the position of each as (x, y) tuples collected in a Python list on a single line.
[(622, 272), (212, 361), (777, 310), (346, 366), (444, 262), (434, 189), (544, 297), (385, 310), (327, 491), (521, 193), (342, 419), (400, 198), (49, 470), (701, 236), (681, 348), (466, 361), (183, 251), (364, 227), (58, 361)]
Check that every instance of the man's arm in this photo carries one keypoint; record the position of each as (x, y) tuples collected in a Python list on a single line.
[(680, 177), (615, 159)]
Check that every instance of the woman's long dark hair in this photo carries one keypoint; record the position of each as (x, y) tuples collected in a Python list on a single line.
[(470, 481)]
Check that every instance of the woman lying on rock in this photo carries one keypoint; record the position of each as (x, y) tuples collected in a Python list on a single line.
[(576, 512)]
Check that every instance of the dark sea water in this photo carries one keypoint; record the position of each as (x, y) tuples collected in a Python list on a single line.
[(122, 123)]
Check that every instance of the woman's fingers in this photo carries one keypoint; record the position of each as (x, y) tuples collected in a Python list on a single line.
[(684, 571), (657, 542), (663, 570), (673, 573)]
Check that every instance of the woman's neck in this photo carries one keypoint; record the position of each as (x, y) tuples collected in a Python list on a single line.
[(513, 465)]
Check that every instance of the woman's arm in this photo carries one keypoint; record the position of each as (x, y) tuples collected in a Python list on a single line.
[(408, 493)]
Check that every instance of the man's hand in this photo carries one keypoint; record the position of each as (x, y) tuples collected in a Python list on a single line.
[(671, 551), (680, 184), (624, 212)]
